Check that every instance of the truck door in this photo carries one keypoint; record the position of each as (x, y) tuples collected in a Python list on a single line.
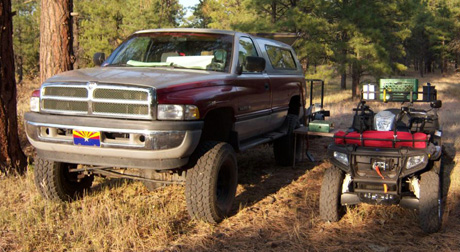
[(254, 105), (285, 79)]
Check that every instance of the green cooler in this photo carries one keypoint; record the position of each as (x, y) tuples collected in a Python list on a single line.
[(320, 126)]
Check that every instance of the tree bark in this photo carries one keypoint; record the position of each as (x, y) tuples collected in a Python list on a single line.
[(56, 38), (343, 81), (355, 78), (11, 156)]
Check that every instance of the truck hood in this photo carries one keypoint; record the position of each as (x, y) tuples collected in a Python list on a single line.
[(143, 76)]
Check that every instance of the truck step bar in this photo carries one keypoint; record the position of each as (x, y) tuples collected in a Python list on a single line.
[(260, 140)]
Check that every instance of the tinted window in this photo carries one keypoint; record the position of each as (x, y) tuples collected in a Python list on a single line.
[(246, 48), (280, 58)]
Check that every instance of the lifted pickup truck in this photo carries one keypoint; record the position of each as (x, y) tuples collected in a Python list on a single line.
[(168, 106)]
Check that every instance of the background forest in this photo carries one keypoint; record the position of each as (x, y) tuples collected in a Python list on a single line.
[(358, 37)]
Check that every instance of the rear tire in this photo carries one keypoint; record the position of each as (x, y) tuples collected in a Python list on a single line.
[(283, 148), (210, 186), (330, 208), (54, 181), (430, 211)]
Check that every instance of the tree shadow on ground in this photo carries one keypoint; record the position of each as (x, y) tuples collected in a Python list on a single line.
[(108, 183), (260, 177)]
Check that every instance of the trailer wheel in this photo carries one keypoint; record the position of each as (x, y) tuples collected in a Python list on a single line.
[(210, 185), (330, 208), (430, 207), (54, 181)]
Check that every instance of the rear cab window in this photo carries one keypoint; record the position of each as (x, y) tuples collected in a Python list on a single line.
[(280, 58)]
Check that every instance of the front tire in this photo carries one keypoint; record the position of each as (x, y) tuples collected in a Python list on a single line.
[(54, 181), (430, 212), (330, 208), (210, 185)]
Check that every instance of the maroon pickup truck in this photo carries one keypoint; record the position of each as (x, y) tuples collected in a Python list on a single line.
[(168, 106)]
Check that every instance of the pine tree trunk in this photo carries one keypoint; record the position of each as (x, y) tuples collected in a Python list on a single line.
[(11, 156), (343, 81), (56, 54), (355, 78)]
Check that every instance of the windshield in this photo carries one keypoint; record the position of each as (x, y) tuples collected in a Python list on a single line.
[(182, 50)]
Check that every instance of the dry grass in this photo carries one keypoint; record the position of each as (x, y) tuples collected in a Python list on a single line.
[(276, 207)]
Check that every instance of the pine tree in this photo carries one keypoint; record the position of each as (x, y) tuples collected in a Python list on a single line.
[(26, 38), (56, 44), (11, 156)]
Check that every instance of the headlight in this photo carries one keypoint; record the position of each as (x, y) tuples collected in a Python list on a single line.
[(341, 157), (35, 101), (177, 112), (384, 120), (414, 161)]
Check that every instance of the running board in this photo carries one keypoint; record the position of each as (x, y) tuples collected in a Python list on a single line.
[(247, 144)]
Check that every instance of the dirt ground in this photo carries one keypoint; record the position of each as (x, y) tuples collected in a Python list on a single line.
[(276, 208)]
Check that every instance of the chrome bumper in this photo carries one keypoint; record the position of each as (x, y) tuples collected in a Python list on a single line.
[(123, 143)]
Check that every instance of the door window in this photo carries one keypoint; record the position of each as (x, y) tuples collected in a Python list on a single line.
[(246, 48)]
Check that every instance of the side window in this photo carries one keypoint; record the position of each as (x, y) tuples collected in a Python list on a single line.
[(246, 48), (280, 58)]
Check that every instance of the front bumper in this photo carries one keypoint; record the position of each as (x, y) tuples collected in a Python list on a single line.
[(378, 175), (362, 158), (123, 143)]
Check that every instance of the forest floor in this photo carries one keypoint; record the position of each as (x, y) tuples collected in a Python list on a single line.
[(276, 207)]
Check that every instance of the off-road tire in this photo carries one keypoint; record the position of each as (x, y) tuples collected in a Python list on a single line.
[(54, 181), (283, 148), (430, 211), (330, 208), (210, 185)]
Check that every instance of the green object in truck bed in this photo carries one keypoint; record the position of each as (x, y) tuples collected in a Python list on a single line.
[(320, 126)]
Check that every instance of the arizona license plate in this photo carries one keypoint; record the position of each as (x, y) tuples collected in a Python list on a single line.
[(87, 138)]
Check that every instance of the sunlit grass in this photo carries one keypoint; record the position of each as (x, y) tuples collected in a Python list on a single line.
[(276, 208)]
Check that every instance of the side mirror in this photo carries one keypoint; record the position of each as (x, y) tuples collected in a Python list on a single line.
[(255, 64), (436, 104), (98, 58)]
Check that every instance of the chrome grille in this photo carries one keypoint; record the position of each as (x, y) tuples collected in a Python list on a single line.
[(80, 92), (77, 106), (117, 94), (95, 99), (111, 108)]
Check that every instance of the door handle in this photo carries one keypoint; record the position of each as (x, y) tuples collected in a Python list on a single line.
[(267, 87)]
